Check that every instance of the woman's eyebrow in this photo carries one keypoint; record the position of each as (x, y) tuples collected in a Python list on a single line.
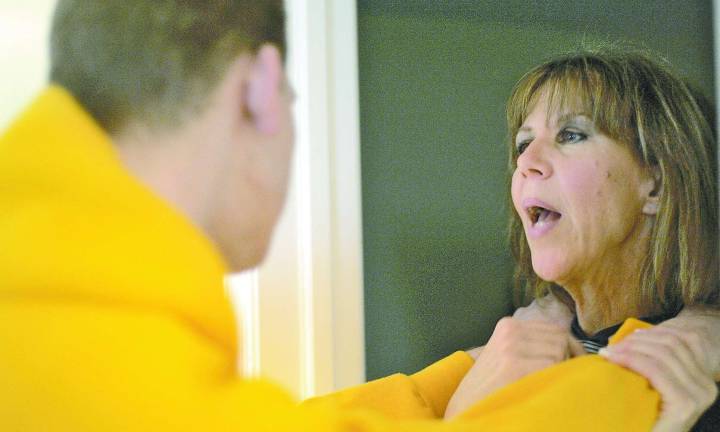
[(564, 118), (525, 129)]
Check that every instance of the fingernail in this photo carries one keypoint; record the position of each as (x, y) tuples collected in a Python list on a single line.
[(604, 352)]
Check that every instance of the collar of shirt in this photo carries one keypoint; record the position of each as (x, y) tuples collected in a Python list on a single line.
[(593, 343)]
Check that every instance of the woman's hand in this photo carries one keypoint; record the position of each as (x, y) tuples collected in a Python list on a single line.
[(548, 308), (701, 322), (515, 349), (674, 363)]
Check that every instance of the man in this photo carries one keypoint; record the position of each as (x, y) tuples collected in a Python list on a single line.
[(156, 161)]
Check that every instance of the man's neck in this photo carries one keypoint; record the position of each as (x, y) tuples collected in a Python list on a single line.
[(172, 166)]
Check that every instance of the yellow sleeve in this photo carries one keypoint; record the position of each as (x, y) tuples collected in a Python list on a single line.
[(587, 393), (107, 368), (423, 395)]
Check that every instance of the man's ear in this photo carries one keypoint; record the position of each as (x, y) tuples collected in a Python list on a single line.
[(263, 90), (652, 188)]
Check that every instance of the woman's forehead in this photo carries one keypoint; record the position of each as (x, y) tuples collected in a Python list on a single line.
[(560, 104), (564, 94)]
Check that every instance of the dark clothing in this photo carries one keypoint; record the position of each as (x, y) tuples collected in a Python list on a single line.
[(600, 339)]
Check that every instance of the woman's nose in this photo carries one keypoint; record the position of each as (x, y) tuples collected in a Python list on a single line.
[(533, 162)]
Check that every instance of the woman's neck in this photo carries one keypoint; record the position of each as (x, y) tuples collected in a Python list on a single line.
[(608, 295), (599, 309)]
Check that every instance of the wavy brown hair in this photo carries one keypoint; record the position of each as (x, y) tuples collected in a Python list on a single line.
[(638, 101)]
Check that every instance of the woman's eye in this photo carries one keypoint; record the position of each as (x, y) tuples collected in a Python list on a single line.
[(521, 146), (570, 136)]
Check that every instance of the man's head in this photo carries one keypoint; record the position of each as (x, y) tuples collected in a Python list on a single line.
[(154, 60), (194, 95)]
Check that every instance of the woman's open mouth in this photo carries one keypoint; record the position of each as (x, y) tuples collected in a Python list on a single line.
[(543, 218)]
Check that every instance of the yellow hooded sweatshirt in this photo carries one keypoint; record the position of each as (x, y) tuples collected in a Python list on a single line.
[(113, 317)]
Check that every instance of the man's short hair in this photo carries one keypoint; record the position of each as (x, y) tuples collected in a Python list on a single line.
[(154, 61)]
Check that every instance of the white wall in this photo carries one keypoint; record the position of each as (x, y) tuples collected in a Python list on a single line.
[(24, 29)]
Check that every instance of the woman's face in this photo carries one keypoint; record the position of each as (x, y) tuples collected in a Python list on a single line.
[(582, 197)]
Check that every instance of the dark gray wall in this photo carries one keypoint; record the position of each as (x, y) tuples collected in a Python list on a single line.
[(434, 76)]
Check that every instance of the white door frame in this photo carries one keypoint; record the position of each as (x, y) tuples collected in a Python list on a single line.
[(302, 311)]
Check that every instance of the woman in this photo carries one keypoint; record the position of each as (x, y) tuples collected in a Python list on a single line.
[(614, 191)]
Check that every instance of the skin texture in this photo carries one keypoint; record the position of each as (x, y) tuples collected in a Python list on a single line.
[(680, 358), (535, 337), (607, 201), (515, 349), (548, 309), (604, 197), (679, 363), (236, 153), (227, 167)]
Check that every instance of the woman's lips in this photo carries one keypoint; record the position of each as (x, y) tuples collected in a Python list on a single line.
[(542, 217), (544, 224)]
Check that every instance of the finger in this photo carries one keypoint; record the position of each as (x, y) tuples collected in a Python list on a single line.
[(475, 352), (525, 340), (556, 347), (554, 352), (562, 345), (691, 340), (681, 396), (513, 327), (546, 326), (665, 360), (677, 356), (509, 330), (548, 309), (668, 374), (664, 381)]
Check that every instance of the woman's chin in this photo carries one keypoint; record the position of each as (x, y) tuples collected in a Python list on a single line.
[(548, 270)]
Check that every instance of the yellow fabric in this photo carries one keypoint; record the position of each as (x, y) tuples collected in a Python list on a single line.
[(113, 318), (629, 326), (423, 395), (561, 384)]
